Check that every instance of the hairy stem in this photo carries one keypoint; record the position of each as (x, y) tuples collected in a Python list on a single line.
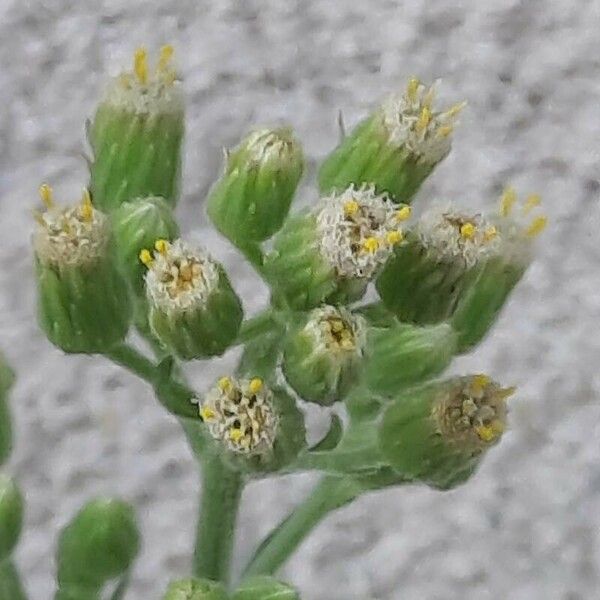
[(221, 493), (329, 495)]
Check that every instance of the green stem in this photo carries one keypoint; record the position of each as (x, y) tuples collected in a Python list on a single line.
[(10, 584), (134, 361), (221, 493), (329, 495)]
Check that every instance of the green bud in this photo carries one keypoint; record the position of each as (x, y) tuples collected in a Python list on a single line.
[(98, 545), (136, 135), (6, 381), (251, 200), (83, 302), (260, 426), (264, 588), (330, 253), (11, 516), (395, 148), (321, 358), (194, 311), (195, 589), (405, 355), (136, 226), (438, 433)]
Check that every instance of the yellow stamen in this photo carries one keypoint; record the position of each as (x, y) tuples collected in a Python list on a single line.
[(479, 383), (351, 208), (140, 65), (255, 385), (537, 226), (490, 233), (532, 201), (46, 195), (404, 213), (393, 237), (445, 130), (371, 245), (467, 230), (86, 210), (454, 110), (486, 433), (161, 246), (207, 413), (412, 88), (146, 257), (507, 201), (164, 57), (235, 434), (424, 120), (225, 384)]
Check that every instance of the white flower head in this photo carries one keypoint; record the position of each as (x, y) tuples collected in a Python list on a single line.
[(358, 230), (240, 413), (472, 412), (413, 124), (70, 236), (180, 277), (146, 91), (451, 234), (336, 331)]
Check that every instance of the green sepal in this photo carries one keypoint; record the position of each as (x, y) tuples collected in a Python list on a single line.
[(136, 225), (98, 545), (6, 380), (410, 441), (299, 275), (135, 155), (405, 355), (83, 308), (365, 156), (201, 332), (264, 587), (417, 287), (251, 200), (483, 300), (11, 516), (195, 589)]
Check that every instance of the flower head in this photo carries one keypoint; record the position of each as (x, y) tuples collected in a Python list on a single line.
[(180, 277), (336, 331), (413, 124), (146, 90), (70, 236), (358, 230), (240, 413), (472, 412)]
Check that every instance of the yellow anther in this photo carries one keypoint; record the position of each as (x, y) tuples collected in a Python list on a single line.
[(479, 383), (161, 246), (537, 226), (445, 130), (86, 210), (145, 257), (371, 245), (351, 208), (207, 413), (532, 201), (255, 385), (393, 237), (507, 201), (235, 434), (454, 110), (46, 195), (404, 213), (467, 230), (140, 65), (164, 57), (225, 384), (412, 88), (486, 433), (424, 119), (490, 233)]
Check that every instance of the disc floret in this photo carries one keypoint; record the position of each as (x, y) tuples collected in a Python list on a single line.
[(336, 331)]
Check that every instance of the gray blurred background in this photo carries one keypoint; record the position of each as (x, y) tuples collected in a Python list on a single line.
[(527, 526)]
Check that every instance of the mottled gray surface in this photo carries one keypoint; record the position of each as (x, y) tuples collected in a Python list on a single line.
[(527, 527)]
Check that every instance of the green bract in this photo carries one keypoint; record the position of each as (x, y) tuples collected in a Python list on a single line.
[(395, 148), (252, 198), (136, 135)]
